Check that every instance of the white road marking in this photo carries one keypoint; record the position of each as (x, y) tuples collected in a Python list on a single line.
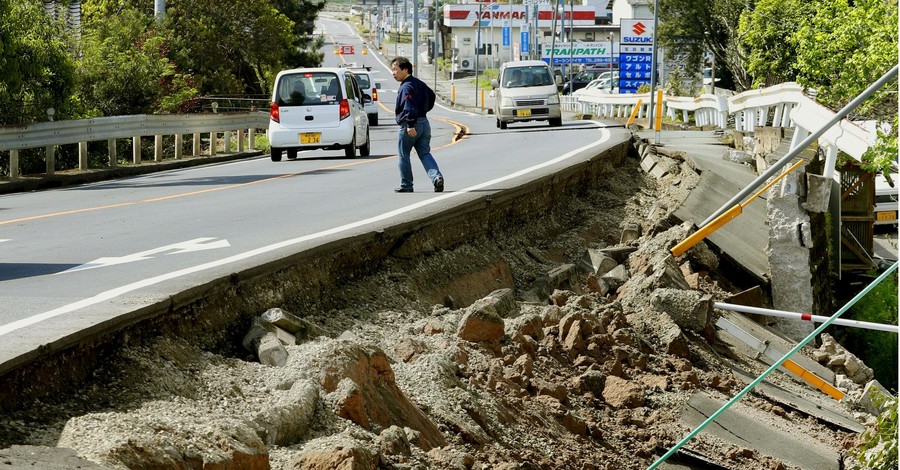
[(197, 244), (113, 293)]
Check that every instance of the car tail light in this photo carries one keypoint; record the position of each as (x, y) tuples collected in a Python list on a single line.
[(274, 114), (374, 94), (345, 109)]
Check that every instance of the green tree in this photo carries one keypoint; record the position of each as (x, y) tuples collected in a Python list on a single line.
[(696, 28), (844, 48), (766, 39), (231, 47), (125, 68), (36, 71)]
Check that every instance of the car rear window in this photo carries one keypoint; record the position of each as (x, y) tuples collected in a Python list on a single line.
[(308, 89), (363, 81)]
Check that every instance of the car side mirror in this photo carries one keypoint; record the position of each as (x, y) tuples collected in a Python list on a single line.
[(495, 83), (367, 98), (377, 86), (559, 80)]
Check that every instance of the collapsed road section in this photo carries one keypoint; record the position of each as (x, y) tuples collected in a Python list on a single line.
[(544, 327)]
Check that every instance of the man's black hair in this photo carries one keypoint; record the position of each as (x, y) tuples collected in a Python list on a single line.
[(403, 64)]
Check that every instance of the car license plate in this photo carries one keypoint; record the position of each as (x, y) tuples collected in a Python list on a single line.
[(523, 112), (888, 215), (310, 138)]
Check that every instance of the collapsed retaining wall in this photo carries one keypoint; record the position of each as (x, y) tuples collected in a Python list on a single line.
[(217, 314)]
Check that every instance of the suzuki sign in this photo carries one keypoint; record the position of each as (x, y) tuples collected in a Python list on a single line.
[(637, 31)]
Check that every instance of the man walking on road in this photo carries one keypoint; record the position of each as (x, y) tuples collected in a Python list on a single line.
[(414, 100)]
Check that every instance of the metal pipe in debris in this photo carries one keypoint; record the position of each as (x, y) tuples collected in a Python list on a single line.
[(806, 317)]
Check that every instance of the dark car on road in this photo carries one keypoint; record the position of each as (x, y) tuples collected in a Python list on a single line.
[(582, 78)]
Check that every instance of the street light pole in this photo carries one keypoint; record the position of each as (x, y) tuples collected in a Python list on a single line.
[(610, 37), (653, 71)]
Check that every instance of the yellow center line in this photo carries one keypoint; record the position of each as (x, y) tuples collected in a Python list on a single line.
[(458, 130), (54, 214)]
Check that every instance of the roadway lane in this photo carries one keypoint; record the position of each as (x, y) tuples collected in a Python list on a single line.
[(76, 257)]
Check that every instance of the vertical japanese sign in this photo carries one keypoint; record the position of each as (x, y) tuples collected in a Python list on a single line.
[(635, 54), (506, 32)]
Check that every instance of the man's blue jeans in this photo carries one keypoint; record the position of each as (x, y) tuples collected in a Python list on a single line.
[(422, 143)]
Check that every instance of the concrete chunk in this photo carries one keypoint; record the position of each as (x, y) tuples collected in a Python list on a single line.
[(291, 323), (818, 193), (597, 262)]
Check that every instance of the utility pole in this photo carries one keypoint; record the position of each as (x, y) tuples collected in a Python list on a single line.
[(477, 51), (159, 10), (653, 71), (415, 36), (571, 43)]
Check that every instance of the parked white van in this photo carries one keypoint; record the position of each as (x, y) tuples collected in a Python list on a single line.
[(526, 91)]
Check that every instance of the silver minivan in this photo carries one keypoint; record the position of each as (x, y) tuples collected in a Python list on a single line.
[(525, 91)]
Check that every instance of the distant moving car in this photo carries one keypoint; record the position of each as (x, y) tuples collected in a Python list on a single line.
[(886, 199), (366, 79), (318, 108), (525, 91)]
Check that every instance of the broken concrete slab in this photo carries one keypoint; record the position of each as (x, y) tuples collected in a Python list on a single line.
[(819, 406), (738, 426)]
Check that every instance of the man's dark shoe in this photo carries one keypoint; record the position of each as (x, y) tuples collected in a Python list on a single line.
[(439, 184), (403, 190)]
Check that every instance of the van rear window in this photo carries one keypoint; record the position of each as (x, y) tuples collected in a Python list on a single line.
[(308, 89)]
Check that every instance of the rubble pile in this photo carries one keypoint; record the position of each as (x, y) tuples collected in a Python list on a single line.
[(587, 362)]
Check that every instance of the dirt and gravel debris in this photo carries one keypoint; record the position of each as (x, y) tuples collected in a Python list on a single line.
[(410, 370)]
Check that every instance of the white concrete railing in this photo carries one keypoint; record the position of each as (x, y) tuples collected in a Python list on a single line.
[(783, 105), (81, 131)]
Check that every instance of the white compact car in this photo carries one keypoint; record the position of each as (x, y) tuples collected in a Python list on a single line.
[(526, 92), (318, 108), (367, 83)]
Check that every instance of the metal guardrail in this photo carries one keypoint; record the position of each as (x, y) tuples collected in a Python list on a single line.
[(81, 131), (783, 105)]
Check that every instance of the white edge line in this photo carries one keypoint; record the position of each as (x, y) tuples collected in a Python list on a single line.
[(113, 293)]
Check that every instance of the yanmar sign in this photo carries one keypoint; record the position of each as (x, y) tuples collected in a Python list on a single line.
[(493, 14), (636, 31)]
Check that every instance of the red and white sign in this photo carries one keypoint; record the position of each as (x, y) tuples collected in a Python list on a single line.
[(637, 31), (467, 16)]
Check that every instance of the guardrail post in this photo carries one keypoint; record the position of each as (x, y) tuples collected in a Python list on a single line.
[(136, 150), (51, 159), (226, 142), (213, 143), (14, 163), (113, 153), (240, 140), (82, 156), (195, 149), (179, 143), (779, 110), (251, 138), (763, 116), (157, 148)]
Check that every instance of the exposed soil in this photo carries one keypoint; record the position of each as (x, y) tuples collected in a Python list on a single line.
[(582, 378)]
